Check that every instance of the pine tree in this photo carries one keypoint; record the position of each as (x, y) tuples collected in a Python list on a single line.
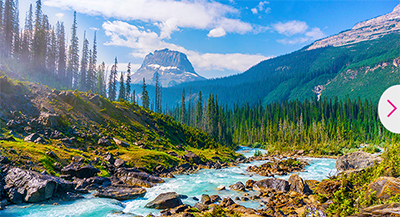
[(100, 80), (26, 44), (199, 111), (39, 40), (46, 43), (1, 28), (122, 92), (133, 97), (91, 81), (145, 96), (52, 53), (183, 109), (8, 28), (84, 64), (61, 53), (73, 57), (16, 32), (158, 94), (128, 83), (112, 91)]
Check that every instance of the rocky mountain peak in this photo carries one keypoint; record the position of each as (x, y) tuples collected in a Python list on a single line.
[(173, 68), (363, 31), (396, 9)]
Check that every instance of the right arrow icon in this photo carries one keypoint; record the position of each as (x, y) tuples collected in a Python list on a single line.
[(394, 108)]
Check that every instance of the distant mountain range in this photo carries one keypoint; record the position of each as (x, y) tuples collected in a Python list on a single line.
[(173, 68), (360, 62)]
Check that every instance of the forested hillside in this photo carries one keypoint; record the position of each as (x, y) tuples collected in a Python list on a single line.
[(331, 71), (325, 126)]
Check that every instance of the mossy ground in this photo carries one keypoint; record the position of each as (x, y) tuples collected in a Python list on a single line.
[(87, 117)]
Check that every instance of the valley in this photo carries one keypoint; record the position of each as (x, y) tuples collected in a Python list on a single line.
[(293, 135)]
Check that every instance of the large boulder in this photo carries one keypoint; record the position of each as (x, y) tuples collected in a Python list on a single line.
[(104, 141), (79, 170), (238, 186), (356, 160), (121, 143), (205, 199), (49, 120), (32, 137), (121, 192), (165, 201), (384, 187), (192, 157), (298, 185), (134, 177), (272, 183), (391, 209), (68, 97), (34, 187), (328, 187)]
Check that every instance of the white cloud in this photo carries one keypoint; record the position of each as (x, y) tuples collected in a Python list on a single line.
[(291, 27), (315, 34), (59, 16), (94, 28), (145, 41), (260, 7), (217, 32), (293, 41), (312, 35), (168, 15)]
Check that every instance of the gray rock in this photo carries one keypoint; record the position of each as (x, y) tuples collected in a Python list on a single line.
[(121, 192), (356, 160), (49, 120), (205, 199), (238, 186), (227, 202), (298, 185), (272, 183), (3, 159), (104, 141), (120, 143), (79, 171), (32, 137), (125, 172), (66, 140), (68, 97), (14, 196), (201, 207), (110, 159), (35, 187), (165, 201), (192, 157), (119, 163)]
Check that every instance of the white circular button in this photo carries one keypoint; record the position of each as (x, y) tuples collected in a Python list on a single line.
[(389, 109)]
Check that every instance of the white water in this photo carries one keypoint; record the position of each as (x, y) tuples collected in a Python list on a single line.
[(192, 185)]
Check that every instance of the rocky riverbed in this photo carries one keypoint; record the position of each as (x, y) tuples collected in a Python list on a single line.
[(133, 191)]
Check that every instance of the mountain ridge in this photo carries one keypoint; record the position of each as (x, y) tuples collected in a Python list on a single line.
[(362, 31)]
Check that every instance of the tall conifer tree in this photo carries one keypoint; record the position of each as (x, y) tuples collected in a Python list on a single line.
[(112, 90), (84, 64), (61, 53), (145, 96), (73, 57), (128, 83)]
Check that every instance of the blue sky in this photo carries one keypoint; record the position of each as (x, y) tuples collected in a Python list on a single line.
[(220, 37)]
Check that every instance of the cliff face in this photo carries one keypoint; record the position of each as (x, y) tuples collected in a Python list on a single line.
[(363, 31), (173, 68)]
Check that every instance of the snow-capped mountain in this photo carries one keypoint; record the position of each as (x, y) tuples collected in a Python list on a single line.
[(173, 68)]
